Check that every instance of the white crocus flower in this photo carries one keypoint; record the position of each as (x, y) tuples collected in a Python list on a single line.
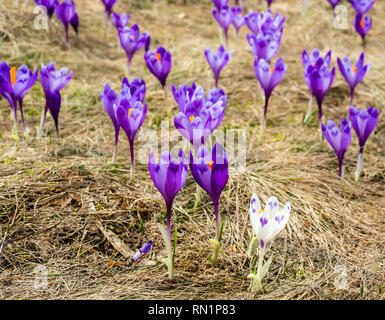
[(266, 224)]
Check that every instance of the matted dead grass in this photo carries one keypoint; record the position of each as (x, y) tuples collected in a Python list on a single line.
[(51, 194)]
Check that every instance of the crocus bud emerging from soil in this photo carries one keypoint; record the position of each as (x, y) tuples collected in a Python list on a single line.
[(339, 139), (142, 252)]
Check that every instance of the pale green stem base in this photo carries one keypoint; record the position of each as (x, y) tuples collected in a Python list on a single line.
[(359, 166), (309, 110)]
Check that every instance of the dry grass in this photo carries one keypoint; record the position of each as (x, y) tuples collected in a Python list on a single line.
[(335, 222)]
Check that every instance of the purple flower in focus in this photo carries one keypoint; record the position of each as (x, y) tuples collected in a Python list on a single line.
[(362, 25), (120, 21), (269, 77), (219, 4), (339, 139), (142, 252), (211, 172), (131, 41), (237, 20), (49, 4), (217, 61), (108, 4), (169, 176), (353, 74), (133, 92), (362, 6), (363, 122), (66, 13), (53, 81), (14, 85), (334, 3), (224, 18), (159, 63)]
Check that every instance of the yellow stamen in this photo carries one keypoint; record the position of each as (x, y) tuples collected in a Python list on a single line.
[(13, 75), (261, 210), (191, 118), (158, 57), (272, 69), (354, 69), (129, 112), (210, 164)]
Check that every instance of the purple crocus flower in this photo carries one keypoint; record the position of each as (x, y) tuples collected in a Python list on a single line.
[(263, 46), (217, 61), (362, 24), (49, 4), (169, 176), (353, 74), (363, 122), (130, 117), (334, 3), (131, 41), (53, 81), (224, 18), (133, 92), (269, 78), (269, 2), (142, 252), (317, 75), (120, 21), (339, 139), (362, 6), (159, 63), (65, 13), (108, 4), (75, 20), (14, 85), (238, 20), (219, 4), (199, 116), (211, 173)]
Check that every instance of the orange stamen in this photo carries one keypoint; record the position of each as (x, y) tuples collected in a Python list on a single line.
[(158, 57), (362, 23), (13, 75), (271, 70), (261, 210), (354, 69), (133, 37), (191, 118), (210, 164)]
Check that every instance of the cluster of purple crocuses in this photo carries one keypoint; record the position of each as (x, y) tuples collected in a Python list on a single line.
[(199, 115), (65, 12), (15, 84), (265, 41), (319, 79)]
